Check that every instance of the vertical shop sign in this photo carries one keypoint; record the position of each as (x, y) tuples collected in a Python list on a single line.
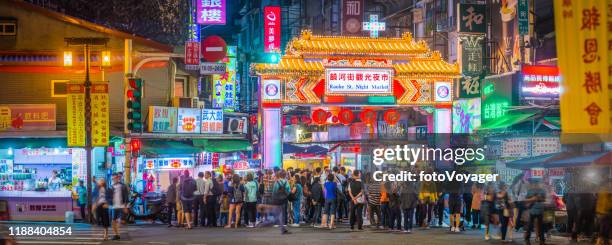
[(272, 29), (469, 87), (210, 12), (582, 33), (523, 17), (99, 114), (471, 18), (192, 53), (352, 17), (472, 56), (75, 114)]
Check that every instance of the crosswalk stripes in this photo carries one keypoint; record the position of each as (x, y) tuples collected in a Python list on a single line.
[(86, 235)]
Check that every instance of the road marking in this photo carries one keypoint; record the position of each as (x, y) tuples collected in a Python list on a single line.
[(58, 242)]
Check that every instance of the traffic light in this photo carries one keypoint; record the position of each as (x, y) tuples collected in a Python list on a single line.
[(135, 147), (134, 104), (269, 58)]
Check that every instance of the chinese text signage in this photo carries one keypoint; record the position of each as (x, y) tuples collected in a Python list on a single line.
[(523, 17), (352, 16), (540, 82), (272, 28), (210, 12), (99, 114), (472, 18), (189, 120), (582, 33), (212, 121), (346, 81), (75, 114), (192, 53), (208, 68), (24, 117), (471, 54), (168, 163), (469, 87), (162, 119)]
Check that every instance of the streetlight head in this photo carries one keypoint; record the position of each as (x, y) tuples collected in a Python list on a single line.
[(67, 58), (106, 58)]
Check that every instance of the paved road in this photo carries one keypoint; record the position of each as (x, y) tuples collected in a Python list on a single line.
[(161, 235)]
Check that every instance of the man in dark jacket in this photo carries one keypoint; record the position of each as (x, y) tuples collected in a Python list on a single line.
[(317, 199), (409, 197), (171, 200)]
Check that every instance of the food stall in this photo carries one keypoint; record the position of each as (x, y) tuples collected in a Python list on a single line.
[(163, 169), (243, 167), (37, 182)]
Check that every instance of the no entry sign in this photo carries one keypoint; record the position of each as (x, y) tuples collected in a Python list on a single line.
[(214, 48)]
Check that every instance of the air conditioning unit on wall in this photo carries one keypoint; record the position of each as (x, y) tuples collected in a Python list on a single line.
[(237, 125)]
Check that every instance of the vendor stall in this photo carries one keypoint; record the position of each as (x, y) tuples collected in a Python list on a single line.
[(37, 183)]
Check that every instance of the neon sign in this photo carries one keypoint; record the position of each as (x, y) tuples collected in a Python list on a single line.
[(540, 82)]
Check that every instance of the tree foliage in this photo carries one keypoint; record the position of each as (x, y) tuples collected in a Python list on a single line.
[(161, 20)]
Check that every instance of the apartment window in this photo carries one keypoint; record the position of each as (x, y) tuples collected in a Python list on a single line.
[(59, 88), (8, 27)]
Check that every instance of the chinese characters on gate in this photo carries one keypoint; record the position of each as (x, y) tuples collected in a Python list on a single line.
[(211, 12), (341, 81)]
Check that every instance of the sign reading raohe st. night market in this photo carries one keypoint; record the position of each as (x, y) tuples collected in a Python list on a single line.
[(210, 12), (354, 81), (471, 18)]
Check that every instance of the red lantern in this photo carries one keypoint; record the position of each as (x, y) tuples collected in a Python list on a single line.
[(391, 116), (368, 116), (295, 120), (319, 116), (346, 116)]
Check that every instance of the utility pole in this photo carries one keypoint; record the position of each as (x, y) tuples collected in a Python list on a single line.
[(87, 43)]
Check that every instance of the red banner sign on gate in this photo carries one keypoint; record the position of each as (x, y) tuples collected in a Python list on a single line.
[(272, 28)]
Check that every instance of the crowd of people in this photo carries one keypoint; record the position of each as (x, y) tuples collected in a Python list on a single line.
[(324, 197)]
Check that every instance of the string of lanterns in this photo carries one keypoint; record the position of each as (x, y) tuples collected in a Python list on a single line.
[(345, 117)]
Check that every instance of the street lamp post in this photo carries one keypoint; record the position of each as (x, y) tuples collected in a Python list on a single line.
[(87, 42)]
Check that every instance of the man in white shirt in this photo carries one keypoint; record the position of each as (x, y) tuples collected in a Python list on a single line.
[(198, 202), (119, 205), (209, 199)]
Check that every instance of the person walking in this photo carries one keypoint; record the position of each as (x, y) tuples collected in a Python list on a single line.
[(94, 195), (188, 188), (102, 204), (235, 193), (373, 194), (120, 198), (502, 208), (330, 190), (477, 196), (171, 200), (395, 219), (251, 187), (81, 193), (317, 199), (296, 204), (536, 196), (280, 194), (408, 201), (357, 200), (486, 209)]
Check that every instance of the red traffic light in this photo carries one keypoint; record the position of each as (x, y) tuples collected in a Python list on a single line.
[(135, 83), (135, 145)]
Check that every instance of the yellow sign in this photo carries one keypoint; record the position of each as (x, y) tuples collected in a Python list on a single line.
[(581, 28), (99, 114), (75, 101)]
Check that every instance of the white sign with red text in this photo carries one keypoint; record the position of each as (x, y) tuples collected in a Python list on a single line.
[(346, 81)]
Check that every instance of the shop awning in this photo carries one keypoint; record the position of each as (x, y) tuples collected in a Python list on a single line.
[(290, 149), (598, 159), (19, 143), (168, 147), (531, 162), (552, 122), (219, 145), (507, 121)]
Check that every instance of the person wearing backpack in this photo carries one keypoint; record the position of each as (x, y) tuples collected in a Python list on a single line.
[(235, 193), (188, 187), (280, 194)]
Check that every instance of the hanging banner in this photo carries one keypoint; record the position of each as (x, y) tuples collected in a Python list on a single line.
[(99, 114), (75, 114), (583, 51), (162, 119), (472, 54), (352, 17), (272, 29), (27, 117), (523, 17), (471, 18), (210, 12)]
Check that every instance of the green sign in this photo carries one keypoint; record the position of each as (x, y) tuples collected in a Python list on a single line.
[(472, 18), (494, 110), (523, 17), (472, 54), (469, 87), (498, 94)]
